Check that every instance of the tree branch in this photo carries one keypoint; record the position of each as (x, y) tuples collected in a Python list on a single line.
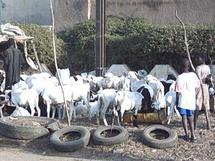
[(185, 40)]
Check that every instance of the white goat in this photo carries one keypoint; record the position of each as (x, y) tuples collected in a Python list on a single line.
[(21, 95), (81, 109), (106, 98), (127, 101), (169, 101), (80, 91), (120, 83), (40, 81), (19, 111), (157, 87), (53, 95)]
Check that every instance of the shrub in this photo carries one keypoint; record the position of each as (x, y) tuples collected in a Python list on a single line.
[(138, 44), (44, 47)]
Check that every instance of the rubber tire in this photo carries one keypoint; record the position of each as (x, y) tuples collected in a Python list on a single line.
[(170, 141), (118, 139), (27, 132), (70, 146)]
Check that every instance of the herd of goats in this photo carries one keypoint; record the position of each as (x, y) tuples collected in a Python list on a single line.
[(89, 95)]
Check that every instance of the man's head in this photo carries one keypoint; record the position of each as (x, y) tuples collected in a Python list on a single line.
[(185, 65), (200, 60)]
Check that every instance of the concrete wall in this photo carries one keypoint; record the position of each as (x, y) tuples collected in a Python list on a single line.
[(25, 11), (163, 11), (70, 12)]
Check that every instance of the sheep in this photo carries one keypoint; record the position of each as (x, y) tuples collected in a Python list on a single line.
[(21, 95), (127, 101)]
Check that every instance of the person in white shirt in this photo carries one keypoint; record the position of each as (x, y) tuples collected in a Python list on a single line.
[(204, 74), (187, 84)]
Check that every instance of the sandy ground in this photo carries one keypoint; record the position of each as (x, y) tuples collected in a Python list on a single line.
[(133, 149)]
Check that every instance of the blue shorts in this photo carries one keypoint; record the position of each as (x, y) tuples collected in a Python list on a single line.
[(186, 112)]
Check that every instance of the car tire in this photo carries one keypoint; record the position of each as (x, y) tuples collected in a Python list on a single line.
[(100, 139), (71, 145), (159, 136), (27, 131)]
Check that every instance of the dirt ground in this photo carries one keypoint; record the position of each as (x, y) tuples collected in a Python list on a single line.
[(133, 149)]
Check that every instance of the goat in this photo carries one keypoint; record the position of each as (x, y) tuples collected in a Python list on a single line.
[(19, 111), (107, 100), (169, 102), (80, 108), (40, 81), (127, 101), (80, 91), (21, 95), (157, 87), (147, 92), (52, 95)]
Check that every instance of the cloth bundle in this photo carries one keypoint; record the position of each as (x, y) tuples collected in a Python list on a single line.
[(10, 31)]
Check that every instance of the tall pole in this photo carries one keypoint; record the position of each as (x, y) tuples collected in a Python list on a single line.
[(100, 37)]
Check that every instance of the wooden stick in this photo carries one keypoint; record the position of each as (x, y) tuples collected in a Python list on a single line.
[(36, 55), (55, 60)]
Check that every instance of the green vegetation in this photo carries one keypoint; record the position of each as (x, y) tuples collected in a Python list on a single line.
[(43, 43), (137, 43), (134, 42)]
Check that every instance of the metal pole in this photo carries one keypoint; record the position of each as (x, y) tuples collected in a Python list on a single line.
[(100, 37)]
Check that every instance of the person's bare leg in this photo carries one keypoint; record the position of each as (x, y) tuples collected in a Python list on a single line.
[(191, 125), (196, 114), (184, 122), (207, 115)]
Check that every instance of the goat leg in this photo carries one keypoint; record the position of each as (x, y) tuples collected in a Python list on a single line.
[(113, 118), (135, 122), (53, 112), (1, 113)]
